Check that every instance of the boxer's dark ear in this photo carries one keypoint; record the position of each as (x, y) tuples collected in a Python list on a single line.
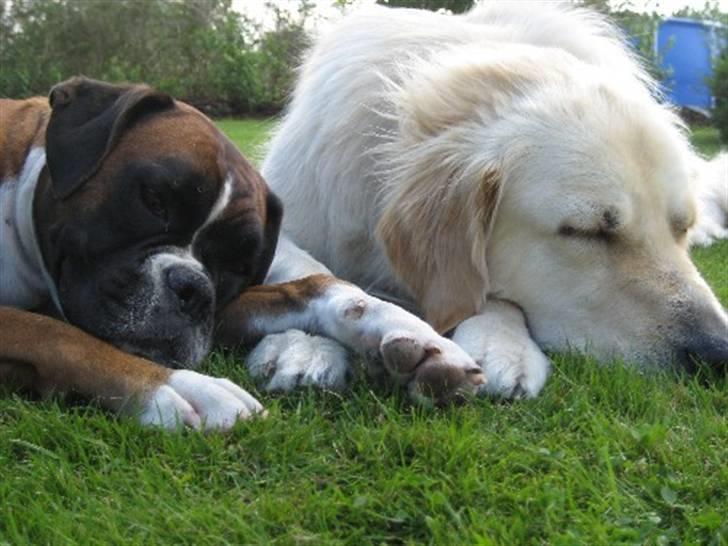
[(274, 215), (87, 119)]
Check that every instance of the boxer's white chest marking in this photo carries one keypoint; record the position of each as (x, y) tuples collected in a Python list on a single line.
[(23, 281)]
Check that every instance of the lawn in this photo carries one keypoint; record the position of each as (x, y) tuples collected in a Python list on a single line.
[(604, 456)]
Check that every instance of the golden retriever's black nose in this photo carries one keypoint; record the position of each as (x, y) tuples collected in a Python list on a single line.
[(193, 291), (711, 350)]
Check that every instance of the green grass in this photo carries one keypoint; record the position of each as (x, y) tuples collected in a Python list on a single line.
[(713, 264), (706, 139), (249, 134), (604, 456)]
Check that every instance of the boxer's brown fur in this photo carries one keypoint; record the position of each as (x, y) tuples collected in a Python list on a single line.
[(23, 126), (44, 354)]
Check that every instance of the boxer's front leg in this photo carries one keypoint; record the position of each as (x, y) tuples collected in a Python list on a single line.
[(47, 355), (434, 368)]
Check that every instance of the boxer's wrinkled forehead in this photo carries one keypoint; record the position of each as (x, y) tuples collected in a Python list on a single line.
[(186, 149), (176, 132), (98, 130)]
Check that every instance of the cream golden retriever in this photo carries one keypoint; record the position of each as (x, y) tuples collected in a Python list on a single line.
[(510, 174), (711, 188)]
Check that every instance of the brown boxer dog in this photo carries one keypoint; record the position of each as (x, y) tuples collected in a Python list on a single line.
[(133, 234)]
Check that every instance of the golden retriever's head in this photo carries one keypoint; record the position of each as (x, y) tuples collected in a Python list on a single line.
[(590, 238), (568, 197)]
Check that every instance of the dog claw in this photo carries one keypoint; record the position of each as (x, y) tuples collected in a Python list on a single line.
[(442, 383)]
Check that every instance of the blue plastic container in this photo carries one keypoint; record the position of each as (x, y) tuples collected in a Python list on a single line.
[(687, 49)]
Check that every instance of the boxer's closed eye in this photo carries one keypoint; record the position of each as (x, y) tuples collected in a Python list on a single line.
[(154, 202)]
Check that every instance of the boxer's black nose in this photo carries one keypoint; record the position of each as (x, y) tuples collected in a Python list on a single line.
[(193, 291)]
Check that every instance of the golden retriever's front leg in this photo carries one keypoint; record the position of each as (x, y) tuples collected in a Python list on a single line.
[(433, 368), (499, 341), (47, 355)]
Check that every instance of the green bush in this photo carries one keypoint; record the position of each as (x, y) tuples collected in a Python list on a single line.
[(720, 91), (198, 50)]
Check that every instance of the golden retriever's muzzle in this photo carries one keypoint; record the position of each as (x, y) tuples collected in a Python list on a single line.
[(709, 346)]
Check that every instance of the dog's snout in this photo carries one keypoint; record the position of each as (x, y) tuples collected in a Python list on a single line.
[(193, 291), (711, 350)]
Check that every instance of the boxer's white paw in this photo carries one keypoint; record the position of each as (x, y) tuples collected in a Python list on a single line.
[(198, 401), (434, 368), (283, 362)]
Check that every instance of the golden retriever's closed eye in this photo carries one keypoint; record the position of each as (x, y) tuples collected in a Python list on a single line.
[(511, 174)]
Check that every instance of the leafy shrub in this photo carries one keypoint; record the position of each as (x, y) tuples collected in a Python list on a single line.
[(720, 91), (199, 50)]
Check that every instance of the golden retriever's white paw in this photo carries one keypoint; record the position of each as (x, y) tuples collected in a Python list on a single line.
[(198, 401), (283, 362), (500, 342), (435, 369), (515, 373)]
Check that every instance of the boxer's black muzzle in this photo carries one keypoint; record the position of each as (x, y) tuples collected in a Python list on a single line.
[(161, 307)]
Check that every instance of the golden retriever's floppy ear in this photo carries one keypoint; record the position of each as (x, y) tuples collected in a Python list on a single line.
[(435, 234), (443, 172)]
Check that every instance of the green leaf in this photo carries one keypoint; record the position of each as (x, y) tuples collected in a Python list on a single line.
[(668, 495)]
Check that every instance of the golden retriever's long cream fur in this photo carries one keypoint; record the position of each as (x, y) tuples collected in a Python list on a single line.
[(711, 184), (508, 172)]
